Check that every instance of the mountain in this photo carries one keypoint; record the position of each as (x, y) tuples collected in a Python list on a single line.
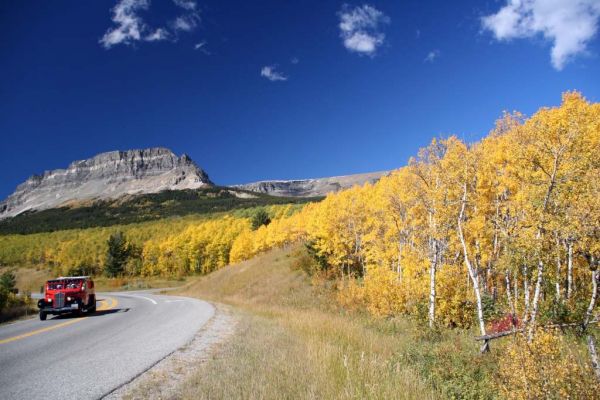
[(144, 184), (106, 176), (311, 187)]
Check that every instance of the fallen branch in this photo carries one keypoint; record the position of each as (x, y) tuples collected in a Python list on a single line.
[(512, 332), (498, 334)]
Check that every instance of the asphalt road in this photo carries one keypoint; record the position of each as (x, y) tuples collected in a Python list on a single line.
[(88, 357)]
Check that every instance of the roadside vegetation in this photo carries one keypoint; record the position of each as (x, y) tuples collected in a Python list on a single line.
[(294, 342), (11, 304)]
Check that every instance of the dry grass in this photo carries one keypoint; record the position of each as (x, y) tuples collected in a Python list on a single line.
[(292, 343), (30, 279), (104, 284)]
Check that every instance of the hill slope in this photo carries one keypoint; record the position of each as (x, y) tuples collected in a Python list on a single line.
[(293, 343), (138, 208)]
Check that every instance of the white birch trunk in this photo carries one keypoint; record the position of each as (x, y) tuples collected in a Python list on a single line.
[(536, 300), (432, 271), (516, 294), (509, 295), (558, 270), (594, 356), (569, 268), (590, 309), (399, 265), (472, 272), (526, 294)]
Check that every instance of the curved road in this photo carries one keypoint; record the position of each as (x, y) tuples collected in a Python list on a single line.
[(88, 357)]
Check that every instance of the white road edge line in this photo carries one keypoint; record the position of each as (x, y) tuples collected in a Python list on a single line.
[(147, 298), (138, 297), (173, 301)]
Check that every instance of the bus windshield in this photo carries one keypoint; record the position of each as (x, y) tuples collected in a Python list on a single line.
[(65, 284)]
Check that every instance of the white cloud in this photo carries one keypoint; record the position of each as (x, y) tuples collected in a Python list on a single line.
[(131, 28), (186, 23), (129, 24), (568, 24), (189, 5), (295, 60), (360, 28), (201, 46), (271, 74), (159, 34), (432, 55)]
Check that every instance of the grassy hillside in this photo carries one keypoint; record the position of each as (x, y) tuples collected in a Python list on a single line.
[(294, 342), (132, 209)]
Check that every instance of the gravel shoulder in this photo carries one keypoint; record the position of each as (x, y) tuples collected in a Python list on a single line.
[(164, 380)]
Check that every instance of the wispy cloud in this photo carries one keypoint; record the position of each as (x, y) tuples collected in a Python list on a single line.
[(186, 23), (159, 34), (201, 46), (271, 74), (295, 60), (360, 28), (130, 27), (432, 55), (186, 4), (568, 24)]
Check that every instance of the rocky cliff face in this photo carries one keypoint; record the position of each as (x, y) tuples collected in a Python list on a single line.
[(311, 187), (107, 175)]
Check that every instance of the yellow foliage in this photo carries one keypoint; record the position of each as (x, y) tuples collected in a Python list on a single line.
[(242, 248), (455, 302), (382, 292), (544, 369), (351, 294)]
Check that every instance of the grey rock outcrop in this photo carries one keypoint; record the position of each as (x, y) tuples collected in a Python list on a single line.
[(105, 176), (311, 187)]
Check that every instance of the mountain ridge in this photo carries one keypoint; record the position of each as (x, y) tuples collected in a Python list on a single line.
[(313, 187), (119, 174), (107, 175)]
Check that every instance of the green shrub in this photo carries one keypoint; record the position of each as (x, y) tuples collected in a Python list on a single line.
[(303, 261)]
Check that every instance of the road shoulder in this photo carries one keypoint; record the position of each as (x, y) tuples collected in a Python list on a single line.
[(165, 378)]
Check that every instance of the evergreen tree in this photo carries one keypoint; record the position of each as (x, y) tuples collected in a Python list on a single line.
[(8, 281), (260, 218), (118, 253)]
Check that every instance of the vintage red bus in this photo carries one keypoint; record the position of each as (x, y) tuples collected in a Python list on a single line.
[(65, 295)]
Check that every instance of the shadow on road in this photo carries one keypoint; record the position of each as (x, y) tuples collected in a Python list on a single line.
[(98, 313)]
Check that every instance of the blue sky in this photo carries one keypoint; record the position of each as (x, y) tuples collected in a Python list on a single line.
[(278, 90)]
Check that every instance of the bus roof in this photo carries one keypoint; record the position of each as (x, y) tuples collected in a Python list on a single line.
[(69, 277)]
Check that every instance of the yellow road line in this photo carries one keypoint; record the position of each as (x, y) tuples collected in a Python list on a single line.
[(103, 307)]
